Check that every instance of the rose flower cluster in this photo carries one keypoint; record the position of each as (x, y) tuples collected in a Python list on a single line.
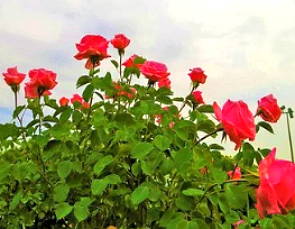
[(276, 192)]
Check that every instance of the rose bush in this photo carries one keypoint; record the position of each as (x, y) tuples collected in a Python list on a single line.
[(125, 155)]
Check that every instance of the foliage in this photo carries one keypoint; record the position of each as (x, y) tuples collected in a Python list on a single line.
[(125, 161)]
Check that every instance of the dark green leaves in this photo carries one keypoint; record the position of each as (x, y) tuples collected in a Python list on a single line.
[(264, 125), (140, 194), (162, 142), (62, 210), (102, 163), (64, 168), (140, 150)]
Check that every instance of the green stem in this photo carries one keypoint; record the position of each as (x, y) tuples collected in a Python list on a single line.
[(290, 137), (40, 115), (184, 102), (208, 135), (120, 65), (15, 106)]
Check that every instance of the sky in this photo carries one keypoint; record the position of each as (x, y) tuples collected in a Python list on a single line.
[(245, 47)]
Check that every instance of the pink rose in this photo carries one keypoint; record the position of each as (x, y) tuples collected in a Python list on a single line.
[(236, 224), (276, 191), (237, 121), (268, 109), (93, 48), (197, 75), (120, 41), (13, 77), (164, 83), (154, 71), (235, 175), (197, 95)]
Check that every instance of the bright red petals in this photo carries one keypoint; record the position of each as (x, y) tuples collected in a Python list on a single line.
[(13, 77), (41, 81), (120, 41), (198, 98), (63, 102), (236, 174), (154, 71), (93, 48), (268, 109), (237, 121), (276, 191), (197, 75)]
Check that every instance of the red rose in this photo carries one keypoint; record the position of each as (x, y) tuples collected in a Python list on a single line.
[(41, 81), (197, 75), (130, 62), (93, 48), (237, 121), (235, 175), (64, 101), (164, 83), (13, 77), (76, 98), (198, 97), (154, 71), (268, 109), (120, 41), (276, 191), (85, 105)]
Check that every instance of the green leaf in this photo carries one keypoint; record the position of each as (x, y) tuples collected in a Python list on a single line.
[(265, 126), (17, 111), (140, 150), (162, 142), (112, 179), (82, 81), (115, 63), (98, 186), (60, 192), (8, 130), (193, 192), (183, 160), (88, 92), (62, 210), (206, 109), (102, 163), (140, 194), (81, 211), (64, 168), (66, 114)]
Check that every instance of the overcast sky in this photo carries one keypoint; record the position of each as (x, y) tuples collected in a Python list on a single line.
[(247, 48)]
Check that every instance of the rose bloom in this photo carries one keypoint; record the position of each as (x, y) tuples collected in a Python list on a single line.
[(93, 48), (164, 83), (76, 98), (235, 175), (237, 121), (120, 41), (236, 224), (197, 75), (13, 77), (268, 109), (41, 81), (64, 101), (276, 191), (154, 71), (197, 95), (129, 63)]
